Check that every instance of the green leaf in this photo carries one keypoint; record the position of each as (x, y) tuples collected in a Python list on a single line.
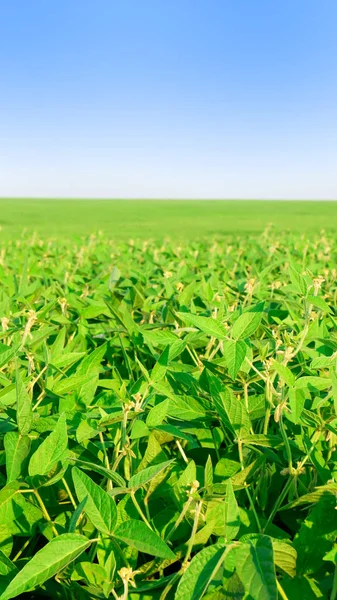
[(100, 508), (89, 466), (317, 535), (157, 414), (296, 404), (7, 567), (71, 384), (284, 373), (234, 353), (298, 280), (232, 518), (255, 568), (233, 413), (246, 325), (76, 515), (146, 475), (17, 448), (206, 324), (259, 439), (139, 430), (137, 534), (52, 450), (24, 413), (48, 561), (200, 572), (320, 383), (6, 354), (185, 410), (285, 557), (320, 303)]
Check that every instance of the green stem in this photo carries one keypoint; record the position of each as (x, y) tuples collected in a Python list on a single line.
[(278, 503), (169, 586), (135, 502), (251, 503), (281, 590), (287, 445), (68, 490), (194, 531), (45, 512), (266, 420), (180, 518)]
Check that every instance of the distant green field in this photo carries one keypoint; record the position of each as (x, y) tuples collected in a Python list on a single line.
[(149, 218)]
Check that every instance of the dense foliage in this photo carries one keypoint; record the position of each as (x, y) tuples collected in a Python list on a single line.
[(168, 419)]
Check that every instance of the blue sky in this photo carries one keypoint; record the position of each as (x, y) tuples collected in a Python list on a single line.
[(168, 98)]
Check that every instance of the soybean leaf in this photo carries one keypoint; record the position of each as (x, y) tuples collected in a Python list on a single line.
[(137, 534), (200, 572), (246, 325), (48, 561), (24, 413), (255, 568), (157, 414), (206, 324), (51, 451), (146, 475), (234, 353), (100, 508), (232, 518), (17, 448)]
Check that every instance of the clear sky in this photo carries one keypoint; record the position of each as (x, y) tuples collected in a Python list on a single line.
[(168, 98)]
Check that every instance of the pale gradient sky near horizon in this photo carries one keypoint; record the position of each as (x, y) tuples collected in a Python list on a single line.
[(178, 99)]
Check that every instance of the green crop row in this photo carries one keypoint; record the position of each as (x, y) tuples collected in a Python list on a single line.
[(168, 418)]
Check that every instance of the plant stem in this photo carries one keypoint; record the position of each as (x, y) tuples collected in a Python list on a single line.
[(281, 590), (27, 542), (180, 448), (180, 518), (68, 490), (251, 503), (194, 531), (287, 445), (45, 512), (278, 503), (169, 586), (106, 458), (135, 502)]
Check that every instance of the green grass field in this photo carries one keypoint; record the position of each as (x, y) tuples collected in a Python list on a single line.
[(168, 407), (147, 218)]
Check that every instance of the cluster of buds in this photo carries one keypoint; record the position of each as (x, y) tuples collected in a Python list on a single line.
[(31, 363), (276, 285), (250, 285), (31, 320), (137, 405), (274, 247), (317, 283), (233, 306), (194, 487), (288, 354), (167, 274), (127, 576), (63, 304), (296, 472), (85, 292), (4, 323), (281, 407)]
